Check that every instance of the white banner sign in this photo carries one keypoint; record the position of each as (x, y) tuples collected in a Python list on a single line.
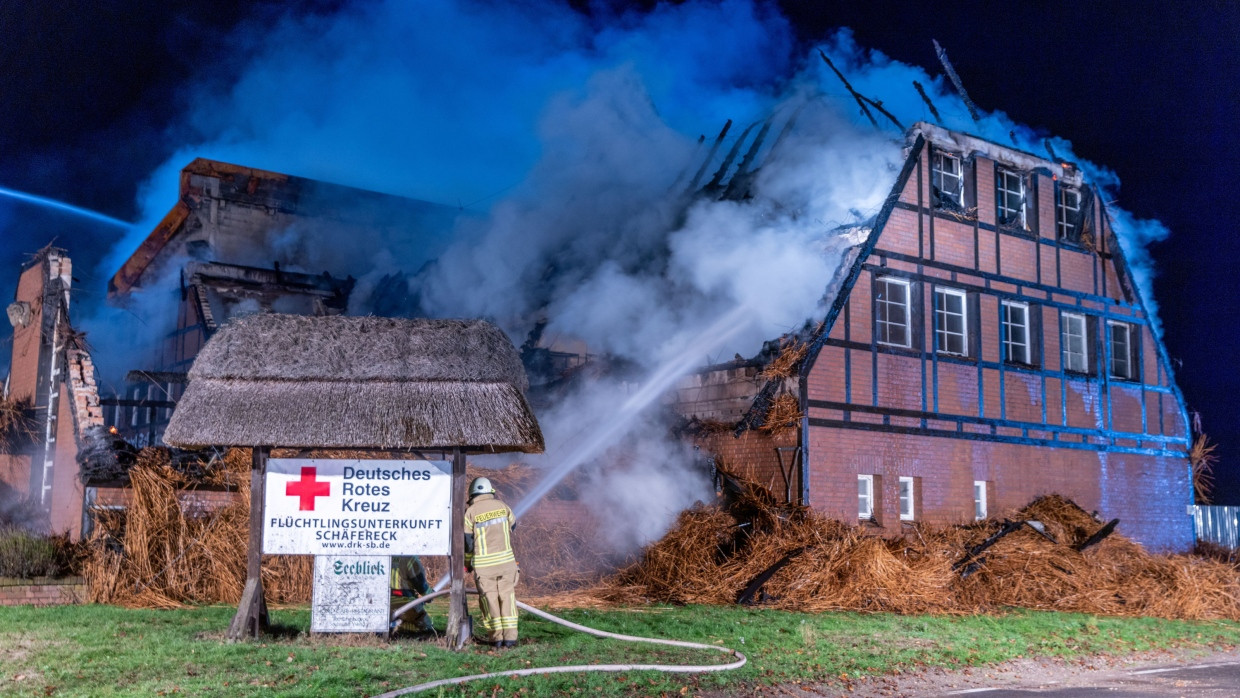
[(350, 594), (357, 507)]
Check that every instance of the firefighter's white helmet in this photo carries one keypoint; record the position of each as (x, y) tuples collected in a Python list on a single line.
[(480, 485)]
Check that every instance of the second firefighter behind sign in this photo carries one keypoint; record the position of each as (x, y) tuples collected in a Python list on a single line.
[(488, 554)]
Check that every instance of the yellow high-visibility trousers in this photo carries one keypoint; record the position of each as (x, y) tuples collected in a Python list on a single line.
[(497, 601)]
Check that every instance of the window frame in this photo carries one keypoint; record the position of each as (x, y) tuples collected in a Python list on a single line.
[(1067, 228), (869, 480), (980, 504), (1130, 356), (911, 514), (1004, 322), (881, 303), (1064, 352), (964, 321), (946, 199), (1019, 218)]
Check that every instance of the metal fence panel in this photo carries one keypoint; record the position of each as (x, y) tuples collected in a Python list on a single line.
[(1219, 525)]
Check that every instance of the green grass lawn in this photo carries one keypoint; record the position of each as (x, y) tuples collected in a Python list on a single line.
[(106, 651)]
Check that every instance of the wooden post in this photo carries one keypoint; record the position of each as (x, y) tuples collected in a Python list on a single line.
[(458, 627), (251, 618)]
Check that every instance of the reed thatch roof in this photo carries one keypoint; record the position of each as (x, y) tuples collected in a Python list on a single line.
[(357, 382)]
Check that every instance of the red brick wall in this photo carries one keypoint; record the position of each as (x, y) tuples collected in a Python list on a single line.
[(52, 593), (1026, 431), (753, 455), (67, 492), (24, 369)]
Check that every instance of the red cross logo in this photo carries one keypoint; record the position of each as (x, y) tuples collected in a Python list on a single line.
[(307, 488)]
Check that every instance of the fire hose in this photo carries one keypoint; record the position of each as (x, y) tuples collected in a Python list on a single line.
[(534, 671)]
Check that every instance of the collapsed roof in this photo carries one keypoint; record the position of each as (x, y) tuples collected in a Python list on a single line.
[(221, 208)]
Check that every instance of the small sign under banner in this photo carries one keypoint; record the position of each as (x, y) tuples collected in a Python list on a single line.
[(357, 507), (350, 594)]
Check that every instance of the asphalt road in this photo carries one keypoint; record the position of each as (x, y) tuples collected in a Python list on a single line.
[(1190, 681)]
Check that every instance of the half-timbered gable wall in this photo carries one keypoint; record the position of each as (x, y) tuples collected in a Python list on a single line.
[(992, 348)]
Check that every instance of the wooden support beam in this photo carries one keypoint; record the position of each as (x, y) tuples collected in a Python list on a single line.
[(951, 74), (860, 102), (926, 98), (251, 618), (458, 615)]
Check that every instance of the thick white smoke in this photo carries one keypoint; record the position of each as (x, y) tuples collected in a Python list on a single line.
[(569, 141)]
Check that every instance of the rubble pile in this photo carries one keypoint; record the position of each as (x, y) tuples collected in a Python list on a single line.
[(1050, 555), (161, 551)]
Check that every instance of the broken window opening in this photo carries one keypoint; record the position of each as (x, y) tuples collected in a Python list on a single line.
[(947, 181), (1074, 342), (1010, 186), (1016, 344), (892, 314), (951, 334), (1068, 214)]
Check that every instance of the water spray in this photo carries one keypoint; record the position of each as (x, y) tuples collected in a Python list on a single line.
[(655, 386), (615, 425), (62, 206)]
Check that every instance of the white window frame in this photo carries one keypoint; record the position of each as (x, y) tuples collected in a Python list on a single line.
[(1026, 356), (1065, 223), (908, 513), (941, 333), (980, 508), (1129, 355), (866, 513), (881, 303), (1011, 216), (940, 176), (1066, 321)]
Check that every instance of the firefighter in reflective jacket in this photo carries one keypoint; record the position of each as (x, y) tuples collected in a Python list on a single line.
[(409, 583), (488, 554)]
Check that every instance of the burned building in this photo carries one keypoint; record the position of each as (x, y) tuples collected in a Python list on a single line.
[(202, 264), (208, 251), (51, 380), (983, 343)]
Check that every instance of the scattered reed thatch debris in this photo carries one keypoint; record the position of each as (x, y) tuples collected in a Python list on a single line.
[(166, 549), (1203, 460), (785, 365), (783, 414), (716, 554), (17, 425), (964, 215), (161, 551)]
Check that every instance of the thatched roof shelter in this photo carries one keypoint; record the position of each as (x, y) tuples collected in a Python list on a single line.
[(357, 383)]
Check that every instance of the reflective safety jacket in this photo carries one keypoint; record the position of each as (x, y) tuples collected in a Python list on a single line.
[(488, 525), (408, 576)]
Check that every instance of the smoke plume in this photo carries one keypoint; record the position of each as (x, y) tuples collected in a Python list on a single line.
[(567, 142)]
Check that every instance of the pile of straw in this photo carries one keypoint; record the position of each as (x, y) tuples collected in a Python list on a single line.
[(787, 362), (163, 552), (714, 552), (17, 427), (783, 414), (160, 553), (1203, 459)]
